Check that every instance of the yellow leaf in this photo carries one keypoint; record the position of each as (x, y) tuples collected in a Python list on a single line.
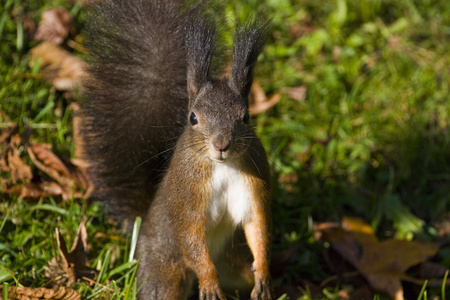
[(383, 263)]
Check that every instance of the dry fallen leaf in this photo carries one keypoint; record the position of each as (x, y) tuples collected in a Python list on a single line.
[(300, 28), (48, 162), (42, 189), (38, 190), (27, 293), (10, 161), (59, 66), (81, 164), (55, 26), (258, 102), (77, 136), (296, 93), (382, 263), (7, 133), (67, 179), (11, 148), (18, 177), (75, 261)]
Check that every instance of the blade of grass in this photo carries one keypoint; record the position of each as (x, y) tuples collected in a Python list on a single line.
[(422, 291), (127, 277), (3, 22), (5, 275), (5, 218), (121, 268), (5, 248), (444, 281), (283, 297), (49, 106), (116, 289), (134, 238), (130, 282), (134, 290), (19, 43), (105, 265), (50, 208), (5, 290)]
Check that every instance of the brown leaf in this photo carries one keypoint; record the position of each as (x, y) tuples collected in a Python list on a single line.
[(29, 25), (7, 133), (383, 263), (300, 28), (44, 189), (360, 230), (42, 153), (66, 175), (25, 293), (257, 94), (11, 162), (55, 26), (12, 147), (77, 136), (75, 261), (289, 181), (49, 163), (59, 66), (288, 178), (258, 102), (296, 93), (78, 161)]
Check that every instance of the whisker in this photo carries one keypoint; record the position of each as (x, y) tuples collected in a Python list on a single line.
[(253, 148), (246, 137), (191, 145), (256, 166), (201, 152), (154, 156), (187, 146)]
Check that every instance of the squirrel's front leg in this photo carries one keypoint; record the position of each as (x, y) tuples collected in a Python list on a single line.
[(257, 232), (197, 256)]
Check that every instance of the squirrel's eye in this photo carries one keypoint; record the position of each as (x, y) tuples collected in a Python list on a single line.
[(246, 118), (193, 119)]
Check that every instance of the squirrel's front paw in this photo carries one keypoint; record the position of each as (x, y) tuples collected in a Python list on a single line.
[(262, 290), (211, 293)]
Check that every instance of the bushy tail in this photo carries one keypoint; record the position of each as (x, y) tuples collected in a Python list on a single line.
[(135, 98)]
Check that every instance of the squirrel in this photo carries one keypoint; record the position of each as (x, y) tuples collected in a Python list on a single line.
[(166, 140)]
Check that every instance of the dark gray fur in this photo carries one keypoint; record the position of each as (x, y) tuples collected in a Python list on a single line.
[(136, 98), (249, 41)]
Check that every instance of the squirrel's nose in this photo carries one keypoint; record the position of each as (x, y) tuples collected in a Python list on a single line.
[(221, 144)]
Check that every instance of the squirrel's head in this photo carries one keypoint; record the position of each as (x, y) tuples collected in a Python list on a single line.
[(219, 121), (218, 110)]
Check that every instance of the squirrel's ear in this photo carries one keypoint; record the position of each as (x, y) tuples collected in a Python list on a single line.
[(200, 49), (249, 41)]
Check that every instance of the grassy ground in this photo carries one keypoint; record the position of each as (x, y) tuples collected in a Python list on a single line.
[(362, 129)]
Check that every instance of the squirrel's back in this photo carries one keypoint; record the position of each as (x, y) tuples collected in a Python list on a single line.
[(136, 98)]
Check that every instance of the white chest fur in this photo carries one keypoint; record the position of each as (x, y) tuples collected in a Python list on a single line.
[(229, 206), (231, 196)]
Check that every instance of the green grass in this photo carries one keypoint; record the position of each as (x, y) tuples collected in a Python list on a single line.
[(370, 139)]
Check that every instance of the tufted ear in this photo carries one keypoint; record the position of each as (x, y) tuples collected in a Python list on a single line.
[(249, 41), (200, 38)]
